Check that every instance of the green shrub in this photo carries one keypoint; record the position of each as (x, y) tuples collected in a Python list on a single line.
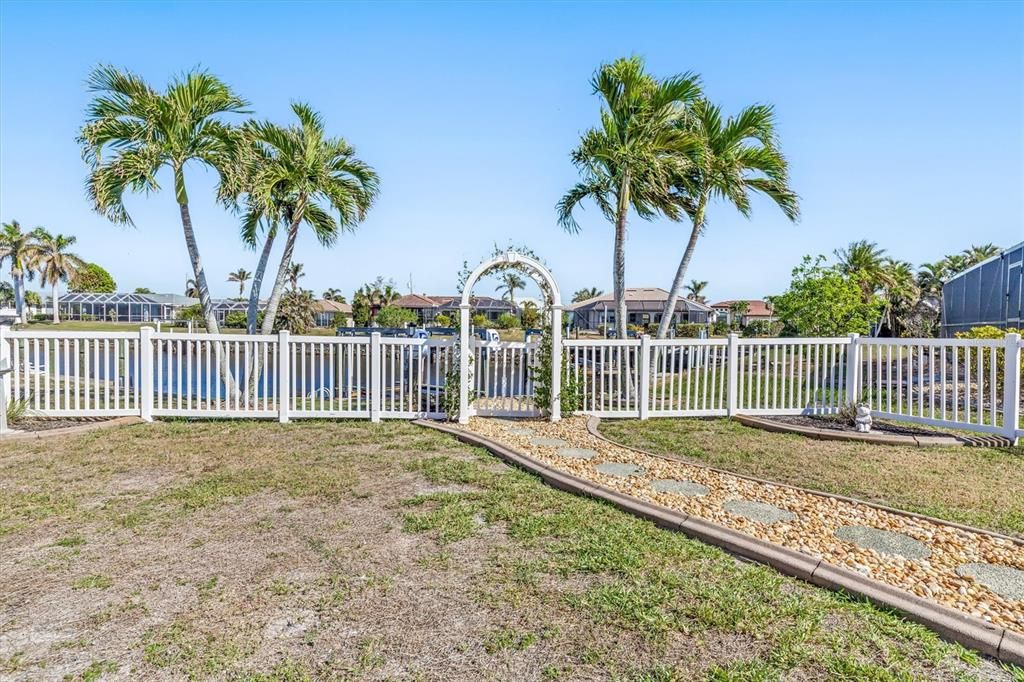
[(991, 333), (480, 321), (190, 312), (689, 330), (507, 321), (445, 320), (390, 316), (571, 392), (236, 319), (43, 317), (762, 328)]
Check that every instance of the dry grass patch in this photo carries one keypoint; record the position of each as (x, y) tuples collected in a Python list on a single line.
[(981, 487), (316, 550)]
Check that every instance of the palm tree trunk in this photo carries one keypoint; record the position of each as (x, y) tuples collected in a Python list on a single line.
[(270, 315), (54, 301), (677, 284), (257, 283), (19, 298), (205, 302), (619, 258)]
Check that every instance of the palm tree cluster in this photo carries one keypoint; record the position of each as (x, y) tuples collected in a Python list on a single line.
[(911, 299), (663, 149), (371, 298), (275, 177), (37, 251)]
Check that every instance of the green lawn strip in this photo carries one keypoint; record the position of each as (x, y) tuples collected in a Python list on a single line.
[(654, 582), (981, 487)]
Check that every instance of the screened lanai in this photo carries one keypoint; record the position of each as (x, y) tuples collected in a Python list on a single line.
[(121, 307)]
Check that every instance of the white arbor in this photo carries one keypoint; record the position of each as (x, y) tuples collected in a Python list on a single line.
[(543, 277)]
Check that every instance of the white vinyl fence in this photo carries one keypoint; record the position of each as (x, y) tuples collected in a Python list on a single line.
[(965, 384)]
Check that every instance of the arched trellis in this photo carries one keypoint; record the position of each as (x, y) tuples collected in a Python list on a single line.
[(535, 269)]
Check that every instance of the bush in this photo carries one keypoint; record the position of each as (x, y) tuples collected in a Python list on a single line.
[(390, 316), (91, 277), (987, 332), (297, 312), (689, 330), (236, 319), (762, 328), (43, 317), (445, 320), (507, 321), (190, 312), (480, 321)]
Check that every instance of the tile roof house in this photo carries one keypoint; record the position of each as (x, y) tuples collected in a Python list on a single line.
[(643, 306), (427, 307), (756, 310), (333, 313)]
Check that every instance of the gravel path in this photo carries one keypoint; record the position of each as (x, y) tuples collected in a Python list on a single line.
[(976, 573)]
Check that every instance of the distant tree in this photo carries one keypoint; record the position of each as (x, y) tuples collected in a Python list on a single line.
[(142, 290), (91, 277), (510, 283), (390, 316), (865, 263), (976, 254), (33, 299), (333, 294), (6, 294), (930, 277), (18, 247), (297, 312), (586, 293), (694, 290), (737, 309), (241, 276), (531, 315), (54, 262), (631, 160), (822, 301), (370, 298), (294, 274)]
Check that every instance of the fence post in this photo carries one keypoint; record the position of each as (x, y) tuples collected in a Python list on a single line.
[(284, 380), (146, 387), (853, 370), (1011, 387), (375, 377), (464, 369), (5, 363), (645, 375), (732, 386), (556, 361)]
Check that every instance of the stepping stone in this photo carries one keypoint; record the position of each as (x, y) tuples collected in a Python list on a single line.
[(884, 541), (687, 488), (548, 442), (620, 469), (1005, 581), (758, 511), (520, 431), (577, 453)]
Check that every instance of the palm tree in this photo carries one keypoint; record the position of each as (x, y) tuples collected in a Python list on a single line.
[(375, 295), (955, 263), (510, 283), (976, 254), (695, 289), (295, 273), (54, 262), (930, 278), (733, 157), (241, 276), (900, 293), (633, 159), (296, 175), (333, 294), (585, 293), (19, 247), (866, 264), (191, 288), (133, 131)]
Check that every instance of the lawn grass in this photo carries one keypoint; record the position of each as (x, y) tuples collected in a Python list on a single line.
[(319, 550), (982, 487)]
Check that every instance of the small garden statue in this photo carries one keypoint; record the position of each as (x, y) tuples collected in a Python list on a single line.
[(863, 419)]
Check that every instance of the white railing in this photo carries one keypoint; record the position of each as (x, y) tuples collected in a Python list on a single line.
[(964, 384)]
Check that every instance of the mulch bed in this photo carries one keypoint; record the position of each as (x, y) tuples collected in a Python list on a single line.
[(838, 424), (34, 424)]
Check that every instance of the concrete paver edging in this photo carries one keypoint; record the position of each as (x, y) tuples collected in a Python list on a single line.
[(1000, 643), (69, 430)]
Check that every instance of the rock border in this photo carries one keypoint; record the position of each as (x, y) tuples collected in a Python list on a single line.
[(69, 430), (878, 438), (999, 643), (592, 428)]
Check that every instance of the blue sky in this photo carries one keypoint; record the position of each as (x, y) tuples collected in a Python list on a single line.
[(903, 123)]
